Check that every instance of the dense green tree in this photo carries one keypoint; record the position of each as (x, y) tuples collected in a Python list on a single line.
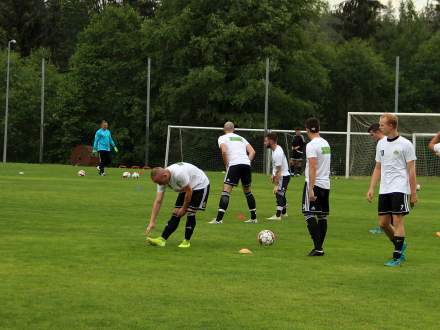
[(107, 82), (360, 81), (359, 18)]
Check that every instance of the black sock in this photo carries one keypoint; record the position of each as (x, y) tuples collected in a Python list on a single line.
[(284, 211), (171, 226), (312, 226), (223, 205), (190, 225), (398, 245), (251, 204), (280, 203), (279, 211), (322, 227)]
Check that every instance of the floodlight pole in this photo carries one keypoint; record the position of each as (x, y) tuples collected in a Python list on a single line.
[(396, 96), (5, 139), (147, 120), (266, 115), (43, 76)]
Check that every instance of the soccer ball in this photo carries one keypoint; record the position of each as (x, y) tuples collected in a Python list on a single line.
[(266, 237), (81, 173), (126, 175), (135, 175), (418, 187)]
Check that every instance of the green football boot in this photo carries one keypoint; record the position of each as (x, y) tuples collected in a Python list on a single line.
[(160, 241), (185, 244)]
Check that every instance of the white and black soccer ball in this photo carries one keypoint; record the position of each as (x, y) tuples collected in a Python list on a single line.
[(266, 237), (81, 173), (126, 175), (135, 175)]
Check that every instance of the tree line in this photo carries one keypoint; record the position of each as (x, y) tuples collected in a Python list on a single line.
[(208, 66)]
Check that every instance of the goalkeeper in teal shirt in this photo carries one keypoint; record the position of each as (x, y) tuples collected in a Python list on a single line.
[(103, 144)]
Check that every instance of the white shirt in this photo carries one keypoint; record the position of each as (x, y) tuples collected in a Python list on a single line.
[(184, 174), (235, 148), (393, 157), (437, 148), (320, 149), (279, 160)]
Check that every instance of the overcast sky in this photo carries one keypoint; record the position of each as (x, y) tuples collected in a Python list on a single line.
[(419, 3)]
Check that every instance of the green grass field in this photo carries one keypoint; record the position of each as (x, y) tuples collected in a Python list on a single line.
[(72, 256)]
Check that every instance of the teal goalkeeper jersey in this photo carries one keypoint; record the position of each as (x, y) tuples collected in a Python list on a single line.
[(103, 140)]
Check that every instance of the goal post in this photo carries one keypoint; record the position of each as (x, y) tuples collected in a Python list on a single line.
[(416, 127)]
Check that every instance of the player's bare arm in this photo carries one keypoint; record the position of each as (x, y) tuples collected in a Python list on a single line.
[(411, 166), (312, 177), (224, 152), (276, 178), (434, 141), (373, 182), (157, 204), (251, 152), (188, 194)]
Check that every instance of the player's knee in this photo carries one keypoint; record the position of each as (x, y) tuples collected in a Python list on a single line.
[(247, 189)]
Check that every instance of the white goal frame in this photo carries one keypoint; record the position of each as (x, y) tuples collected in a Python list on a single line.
[(398, 114)]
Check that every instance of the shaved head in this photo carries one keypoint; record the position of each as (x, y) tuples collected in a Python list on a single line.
[(229, 126), (160, 175)]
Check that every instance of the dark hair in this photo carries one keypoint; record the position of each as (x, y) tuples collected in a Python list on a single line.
[(374, 128), (104, 121), (312, 124), (272, 136)]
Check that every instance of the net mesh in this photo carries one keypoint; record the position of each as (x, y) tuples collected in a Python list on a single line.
[(199, 146), (363, 148)]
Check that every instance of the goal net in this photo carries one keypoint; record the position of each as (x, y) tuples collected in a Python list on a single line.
[(198, 145), (361, 149)]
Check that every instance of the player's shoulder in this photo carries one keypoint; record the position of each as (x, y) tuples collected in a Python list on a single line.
[(405, 141)]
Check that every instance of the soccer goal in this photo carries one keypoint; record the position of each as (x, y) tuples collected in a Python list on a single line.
[(198, 145), (416, 127)]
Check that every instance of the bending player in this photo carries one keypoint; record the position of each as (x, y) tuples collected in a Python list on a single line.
[(280, 175), (193, 188), (316, 193), (237, 155), (434, 145), (395, 168)]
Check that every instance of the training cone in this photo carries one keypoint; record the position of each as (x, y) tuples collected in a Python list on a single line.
[(245, 251), (438, 234), (240, 216)]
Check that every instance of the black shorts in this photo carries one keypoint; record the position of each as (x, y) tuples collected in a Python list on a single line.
[(394, 203), (239, 172), (198, 200), (321, 206), (283, 184), (297, 155)]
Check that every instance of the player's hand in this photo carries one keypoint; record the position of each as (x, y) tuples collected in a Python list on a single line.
[(180, 212), (312, 196), (94, 152), (370, 195), (275, 189), (116, 149), (150, 227), (413, 200)]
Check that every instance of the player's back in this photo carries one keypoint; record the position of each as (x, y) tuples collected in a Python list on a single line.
[(235, 148), (186, 173), (320, 149)]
